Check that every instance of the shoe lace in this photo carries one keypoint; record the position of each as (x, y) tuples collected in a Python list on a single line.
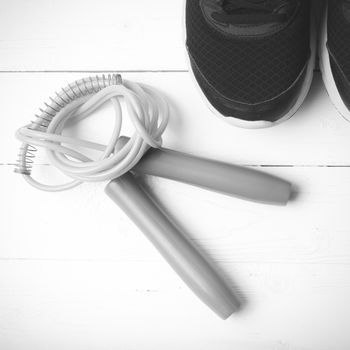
[(250, 12)]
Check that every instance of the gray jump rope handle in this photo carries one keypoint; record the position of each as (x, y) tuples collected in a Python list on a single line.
[(180, 253), (241, 182)]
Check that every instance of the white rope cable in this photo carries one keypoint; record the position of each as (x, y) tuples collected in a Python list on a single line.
[(146, 108)]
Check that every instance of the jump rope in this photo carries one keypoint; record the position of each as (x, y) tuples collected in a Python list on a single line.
[(141, 153)]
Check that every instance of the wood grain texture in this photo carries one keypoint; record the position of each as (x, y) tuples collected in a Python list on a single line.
[(104, 305), (91, 35), (84, 224), (74, 271), (315, 136)]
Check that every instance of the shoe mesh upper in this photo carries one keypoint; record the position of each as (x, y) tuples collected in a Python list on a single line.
[(339, 35), (253, 69), (339, 45)]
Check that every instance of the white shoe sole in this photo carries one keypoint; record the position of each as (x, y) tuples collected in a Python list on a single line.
[(327, 74), (260, 124)]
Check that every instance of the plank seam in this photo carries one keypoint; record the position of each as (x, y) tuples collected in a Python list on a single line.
[(220, 261), (248, 165), (91, 71), (102, 71)]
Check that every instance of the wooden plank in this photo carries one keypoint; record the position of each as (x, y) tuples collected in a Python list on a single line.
[(84, 224), (91, 35), (105, 305), (315, 136), (74, 271)]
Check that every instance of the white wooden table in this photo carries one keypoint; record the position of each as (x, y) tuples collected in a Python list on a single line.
[(74, 271)]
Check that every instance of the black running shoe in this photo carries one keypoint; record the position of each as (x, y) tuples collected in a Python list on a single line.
[(252, 59), (335, 54)]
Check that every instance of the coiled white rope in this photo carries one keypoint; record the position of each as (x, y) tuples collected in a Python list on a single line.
[(147, 110)]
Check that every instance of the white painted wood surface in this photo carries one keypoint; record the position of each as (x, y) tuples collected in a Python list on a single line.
[(74, 271), (91, 35)]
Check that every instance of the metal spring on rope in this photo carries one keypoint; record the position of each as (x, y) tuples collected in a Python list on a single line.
[(77, 89)]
